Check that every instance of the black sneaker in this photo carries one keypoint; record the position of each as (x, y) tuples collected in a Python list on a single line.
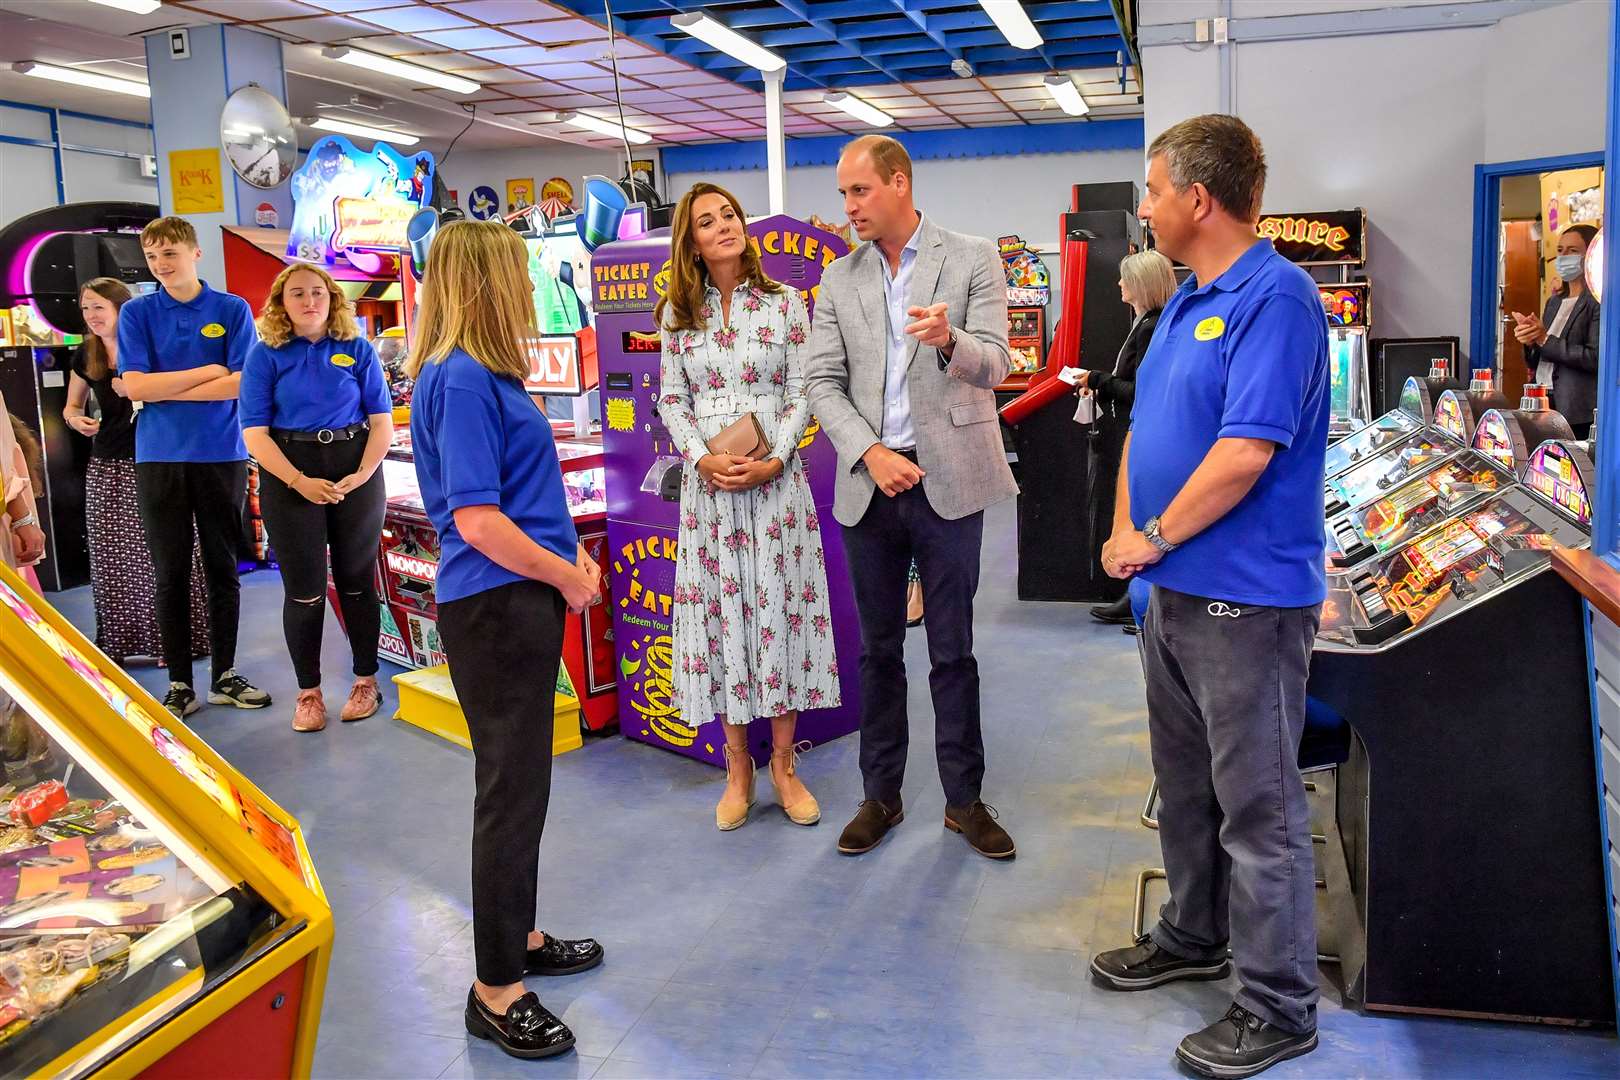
[(1144, 965), (232, 689), (528, 1030), (180, 700), (1241, 1044)]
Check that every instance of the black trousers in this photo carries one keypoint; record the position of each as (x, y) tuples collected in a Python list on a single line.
[(177, 497), (504, 646), (302, 532), (880, 549)]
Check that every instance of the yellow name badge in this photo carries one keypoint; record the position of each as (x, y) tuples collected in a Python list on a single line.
[(342, 360), (212, 330), (1210, 329)]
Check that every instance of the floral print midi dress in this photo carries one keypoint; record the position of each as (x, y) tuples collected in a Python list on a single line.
[(752, 635)]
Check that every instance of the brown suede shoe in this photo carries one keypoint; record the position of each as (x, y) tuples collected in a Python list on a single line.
[(977, 824), (870, 825)]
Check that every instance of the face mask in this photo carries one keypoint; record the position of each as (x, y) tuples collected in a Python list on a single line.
[(1569, 267)]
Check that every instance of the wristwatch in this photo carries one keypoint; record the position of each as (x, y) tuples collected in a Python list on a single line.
[(1151, 532), (944, 356)]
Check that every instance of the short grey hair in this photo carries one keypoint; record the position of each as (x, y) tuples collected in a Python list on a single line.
[(1222, 153), (1150, 277)]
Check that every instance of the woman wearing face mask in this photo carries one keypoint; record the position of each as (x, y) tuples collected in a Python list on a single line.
[(1146, 280), (1561, 347), (317, 416), (121, 578)]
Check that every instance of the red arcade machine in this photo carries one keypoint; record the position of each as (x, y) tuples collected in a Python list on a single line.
[(1066, 470)]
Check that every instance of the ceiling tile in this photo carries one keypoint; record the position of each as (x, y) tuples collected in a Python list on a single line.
[(1024, 93), (529, 116), (593, 84), (561, 30), (883, 90), (352, 5), (522, 54), (650, 98), (321, 30), (646, 65), (524, 87), (978, 97), (501, 11), (1015, 80), (979, 110), (571, 101), (686, 78), (583, 50), (251, 10), (558, 72), (392, 44), (473, 37), (413, 19)]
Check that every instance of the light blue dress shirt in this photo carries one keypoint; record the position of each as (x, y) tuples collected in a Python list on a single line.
[(898, 432)]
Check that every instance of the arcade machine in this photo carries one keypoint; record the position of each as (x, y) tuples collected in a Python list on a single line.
[(44, 256), (1467, 809), (1029, 293), (643, 486), (1497, 457), (1349, 311), (1456, 413), (1067, 471), (1415, 410), (158, 914)]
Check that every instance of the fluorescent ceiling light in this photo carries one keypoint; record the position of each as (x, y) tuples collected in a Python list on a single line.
[(1067, 95), (860, 110), (1013, 22), (399, 69), (603, 127), (139, 7), (727, 40), (344, 127), (79, 77)]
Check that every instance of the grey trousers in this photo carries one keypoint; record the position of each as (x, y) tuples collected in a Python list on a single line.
[(1226, 709)]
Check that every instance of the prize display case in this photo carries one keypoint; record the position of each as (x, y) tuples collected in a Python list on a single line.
[(158, 914)]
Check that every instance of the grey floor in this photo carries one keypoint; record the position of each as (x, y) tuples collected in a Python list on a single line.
[(763, 953)]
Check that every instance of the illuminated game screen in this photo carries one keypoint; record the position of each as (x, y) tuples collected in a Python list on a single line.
[(1424, 501), (1399, 462)]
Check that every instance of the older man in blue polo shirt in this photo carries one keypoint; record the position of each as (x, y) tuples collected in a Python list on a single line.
[(1221, 511)]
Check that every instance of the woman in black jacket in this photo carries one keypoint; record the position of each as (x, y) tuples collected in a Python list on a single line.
[(1561, 347), (1146, 281)]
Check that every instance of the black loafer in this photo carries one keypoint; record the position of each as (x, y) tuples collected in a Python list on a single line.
[(1144, 965), (1116, 614), (561, 957), (528, 1030), (1241, 1044), (869, 826)]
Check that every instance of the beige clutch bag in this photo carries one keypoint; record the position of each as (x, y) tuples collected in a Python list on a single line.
[(744, 438)]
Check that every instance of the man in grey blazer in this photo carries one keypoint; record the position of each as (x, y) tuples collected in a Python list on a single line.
[(908, 342)]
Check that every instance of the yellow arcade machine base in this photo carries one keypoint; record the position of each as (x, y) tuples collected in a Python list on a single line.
[(428, 700)]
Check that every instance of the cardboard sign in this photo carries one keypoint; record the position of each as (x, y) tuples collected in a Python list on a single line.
[(194, 179)]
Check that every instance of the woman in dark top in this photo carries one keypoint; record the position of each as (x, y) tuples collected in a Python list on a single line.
[(1561, 347), (317, 418), (121, 578), (1146, 281)]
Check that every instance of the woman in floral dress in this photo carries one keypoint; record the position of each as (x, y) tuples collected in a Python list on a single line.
[(752, 636)]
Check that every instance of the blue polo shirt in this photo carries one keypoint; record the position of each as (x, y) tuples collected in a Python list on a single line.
[(1244, 356), (480, 440), (157, 333), (308, 386)]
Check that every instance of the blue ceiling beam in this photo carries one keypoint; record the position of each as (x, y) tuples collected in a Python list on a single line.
[(935, 35), (792, 35), (799, 8), (896, 46)]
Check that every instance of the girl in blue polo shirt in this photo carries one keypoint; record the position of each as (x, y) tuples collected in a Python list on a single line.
[(510, 566), (317, 416)]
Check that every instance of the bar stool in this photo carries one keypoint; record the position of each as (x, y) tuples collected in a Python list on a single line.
[(1324, 745)]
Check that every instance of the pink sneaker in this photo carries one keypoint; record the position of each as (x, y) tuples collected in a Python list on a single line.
[(364, 700), (310, 712)]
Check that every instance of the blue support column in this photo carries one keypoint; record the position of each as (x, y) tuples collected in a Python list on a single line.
[(56, 155)]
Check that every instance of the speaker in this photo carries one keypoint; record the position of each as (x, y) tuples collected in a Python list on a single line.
[(1394, 360)]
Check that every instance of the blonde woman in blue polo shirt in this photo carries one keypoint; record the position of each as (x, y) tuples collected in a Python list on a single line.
[(317, 416), (510, 565)]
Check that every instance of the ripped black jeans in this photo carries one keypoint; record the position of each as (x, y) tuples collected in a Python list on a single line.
[(301, 532)]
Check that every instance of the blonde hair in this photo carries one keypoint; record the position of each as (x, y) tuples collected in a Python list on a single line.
[(1150, 277), (476, 296), (275, 325), (889, 155), (117, 294), (688, 277), (168, 230)]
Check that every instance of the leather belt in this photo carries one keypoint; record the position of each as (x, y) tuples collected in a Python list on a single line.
[(324, 436)]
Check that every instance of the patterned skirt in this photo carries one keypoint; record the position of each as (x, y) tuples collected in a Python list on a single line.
[(121, 568)]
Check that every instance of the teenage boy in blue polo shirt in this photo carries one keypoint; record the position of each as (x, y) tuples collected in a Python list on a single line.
[(1220, 510), (180, 352)]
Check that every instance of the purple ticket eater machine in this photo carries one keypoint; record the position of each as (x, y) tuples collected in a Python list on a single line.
[(644, 482)]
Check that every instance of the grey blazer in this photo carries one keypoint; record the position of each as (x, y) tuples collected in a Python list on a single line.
[(953, 405)]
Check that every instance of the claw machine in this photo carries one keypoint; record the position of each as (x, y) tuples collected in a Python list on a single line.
[(159, 916)]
